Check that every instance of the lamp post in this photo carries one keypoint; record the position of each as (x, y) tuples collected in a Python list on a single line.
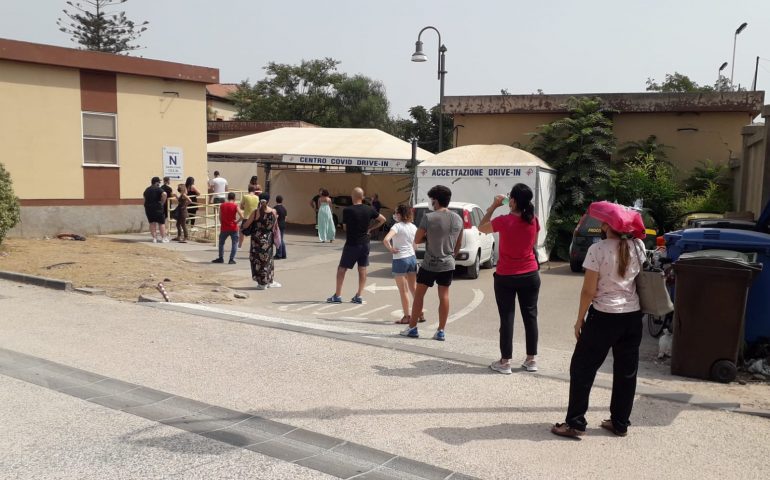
[(719, 72), (735, 41), (419, 56)]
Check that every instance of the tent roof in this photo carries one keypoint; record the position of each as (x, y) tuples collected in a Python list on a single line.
[(485, 155), (320, 142)]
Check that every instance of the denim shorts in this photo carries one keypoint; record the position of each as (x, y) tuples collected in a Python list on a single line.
[(402, 266)]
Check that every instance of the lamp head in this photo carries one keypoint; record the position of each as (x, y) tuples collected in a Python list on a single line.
[(741, 28), (418, 55), (724, 65)]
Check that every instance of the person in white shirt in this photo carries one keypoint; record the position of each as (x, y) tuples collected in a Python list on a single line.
[(609, 317), (219, 188), (400, 242)]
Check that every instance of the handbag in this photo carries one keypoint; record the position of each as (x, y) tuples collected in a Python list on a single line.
[(249, 231), (651, 288), (277, 240)]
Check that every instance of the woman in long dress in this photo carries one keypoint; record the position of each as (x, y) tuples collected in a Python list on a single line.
[(326, 227), (262, 245)]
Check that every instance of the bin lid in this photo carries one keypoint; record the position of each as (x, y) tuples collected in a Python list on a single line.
[(742, 257), (725, 238)]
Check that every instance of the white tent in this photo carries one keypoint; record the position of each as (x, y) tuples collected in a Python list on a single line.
[(476, 173)]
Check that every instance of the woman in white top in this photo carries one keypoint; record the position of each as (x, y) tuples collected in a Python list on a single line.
[(609, 317), (400, 242)]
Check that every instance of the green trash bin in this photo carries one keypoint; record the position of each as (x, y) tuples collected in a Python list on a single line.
[(709, 307)]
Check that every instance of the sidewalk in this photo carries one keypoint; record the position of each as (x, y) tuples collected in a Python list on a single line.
[(452, 416)]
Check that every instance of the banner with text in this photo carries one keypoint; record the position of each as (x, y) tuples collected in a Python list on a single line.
[(173, 163), (475, 172), (345, 162)]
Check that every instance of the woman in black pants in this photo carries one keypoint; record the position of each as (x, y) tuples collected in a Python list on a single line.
[(517, 272), (609, 317)]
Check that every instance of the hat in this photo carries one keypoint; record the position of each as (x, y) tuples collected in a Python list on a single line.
[(622, 219)]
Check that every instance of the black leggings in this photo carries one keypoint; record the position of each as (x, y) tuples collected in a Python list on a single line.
[(623, 333), (527, 287)]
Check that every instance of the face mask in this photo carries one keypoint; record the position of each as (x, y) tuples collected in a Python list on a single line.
[(396, 217)]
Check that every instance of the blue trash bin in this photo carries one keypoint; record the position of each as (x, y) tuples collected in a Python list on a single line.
[(757, 321)]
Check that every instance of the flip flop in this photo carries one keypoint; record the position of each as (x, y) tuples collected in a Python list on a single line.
[(609, 426), (564, 430), (403, 321)]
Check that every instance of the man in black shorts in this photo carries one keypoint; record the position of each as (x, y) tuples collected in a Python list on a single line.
[(440, 229), (357, 219), (154, 199)]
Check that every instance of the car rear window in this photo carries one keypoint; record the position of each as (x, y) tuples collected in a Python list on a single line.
[(590, 226), (343, 201), (420, 212)]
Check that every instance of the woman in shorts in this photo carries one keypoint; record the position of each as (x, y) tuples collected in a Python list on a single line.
[(400, 242)]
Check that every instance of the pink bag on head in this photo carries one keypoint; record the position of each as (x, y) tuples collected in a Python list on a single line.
[(622, 219)]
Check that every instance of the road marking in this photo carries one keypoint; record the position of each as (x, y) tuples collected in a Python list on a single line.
[(284, 308), (350, 309), (373, 288), (372, 311), (325, 307), (305, 307), (478, 297)]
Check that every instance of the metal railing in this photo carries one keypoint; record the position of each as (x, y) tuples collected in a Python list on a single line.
[(206, 227)]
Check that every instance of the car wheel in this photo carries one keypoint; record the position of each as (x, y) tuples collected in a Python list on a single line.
[(575, 266), (473, 270), (492, 259)]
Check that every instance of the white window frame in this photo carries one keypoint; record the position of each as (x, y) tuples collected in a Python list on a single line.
[(83, 137)]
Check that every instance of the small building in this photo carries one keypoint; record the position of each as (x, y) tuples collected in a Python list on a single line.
[(224, 130), (219, 104), (698, 126), (83, 132)]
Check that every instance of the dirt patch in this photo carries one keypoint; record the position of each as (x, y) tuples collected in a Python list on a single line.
[(123, 269)]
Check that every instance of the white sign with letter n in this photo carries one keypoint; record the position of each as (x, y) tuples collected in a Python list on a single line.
[(173, 163)]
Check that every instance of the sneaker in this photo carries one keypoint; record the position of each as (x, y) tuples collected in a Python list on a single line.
[(261, 287), (218, 260), (154, 240), (274, 285), (529, 365), (334, 299), (165, 240), (231, 262), (410, 332), (439, 335), (357, 300), (501, 367)]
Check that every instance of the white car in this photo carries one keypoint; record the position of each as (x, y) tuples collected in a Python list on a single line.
[(477, 249)]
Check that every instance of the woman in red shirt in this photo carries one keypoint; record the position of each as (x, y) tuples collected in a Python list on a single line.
[(517, 272)]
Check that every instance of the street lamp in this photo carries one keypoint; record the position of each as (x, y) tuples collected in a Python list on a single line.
[(419, 56), (735, 40), (719, 72)]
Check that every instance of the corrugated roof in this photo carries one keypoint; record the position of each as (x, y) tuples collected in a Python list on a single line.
[(321, 142), (486, 156)]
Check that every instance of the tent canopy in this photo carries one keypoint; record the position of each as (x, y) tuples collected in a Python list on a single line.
[(485, 155), (322, 147)]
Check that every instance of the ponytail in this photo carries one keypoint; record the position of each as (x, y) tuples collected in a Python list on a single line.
[(528, 212), (623, 256), (522, 195)]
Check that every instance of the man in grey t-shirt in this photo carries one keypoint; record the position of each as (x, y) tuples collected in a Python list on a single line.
[(440, 230)]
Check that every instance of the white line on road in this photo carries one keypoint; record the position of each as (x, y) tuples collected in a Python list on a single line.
[(325, 307), (350, 309), (284, 308), (310, 305), (478, 297), (372, 311)]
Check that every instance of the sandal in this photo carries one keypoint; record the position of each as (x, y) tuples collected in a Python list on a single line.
[(404, 320), (422, 318), (609, 426), (564, 430)]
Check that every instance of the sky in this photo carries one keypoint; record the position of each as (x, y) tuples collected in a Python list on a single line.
[(559, 46)]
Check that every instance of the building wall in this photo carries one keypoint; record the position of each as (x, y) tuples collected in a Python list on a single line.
[(219, 110), (40, 130), (693, 137)]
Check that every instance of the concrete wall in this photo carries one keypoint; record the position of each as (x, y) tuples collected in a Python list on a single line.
[(219, 110), (752, 179), (83, 220)]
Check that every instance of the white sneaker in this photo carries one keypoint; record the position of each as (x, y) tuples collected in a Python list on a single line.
[(504, 368), (166, 240), (529, 365), (154, 240), (261, 287), (274, 285)]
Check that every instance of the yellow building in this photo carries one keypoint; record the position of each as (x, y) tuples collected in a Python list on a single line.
[(83, 132), (698, 126)]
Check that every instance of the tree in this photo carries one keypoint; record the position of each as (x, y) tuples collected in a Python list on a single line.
[(579, 148), (90, 25), (679, 83), (424, 127), (9, 204), (315, 92)]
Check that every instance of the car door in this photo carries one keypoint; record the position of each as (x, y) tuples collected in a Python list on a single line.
[(487, 241)]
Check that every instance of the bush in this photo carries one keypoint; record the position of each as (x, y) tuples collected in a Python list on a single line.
[(713, 198), (9, 204)]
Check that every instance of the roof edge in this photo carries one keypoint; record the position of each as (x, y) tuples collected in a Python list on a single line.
[(41, 54), (644, 102)]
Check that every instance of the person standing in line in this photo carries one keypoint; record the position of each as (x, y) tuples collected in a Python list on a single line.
[(218, 188), (282, 213), (356, 219), (516, 274), (183, 202), (609, 317), (314, 205), (326, 227), (254, 181), (154, 199), (249, 203), (169, 195), (400, 242), (258, 190), (228, 219), (192, 193), (263, 245), (376, 204), (440, 229)]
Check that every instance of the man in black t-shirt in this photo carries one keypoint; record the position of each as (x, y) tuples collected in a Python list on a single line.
[(357, 219), (154, 198)]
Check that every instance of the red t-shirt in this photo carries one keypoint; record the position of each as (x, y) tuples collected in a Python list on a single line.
[(228, 211), (517, 243)]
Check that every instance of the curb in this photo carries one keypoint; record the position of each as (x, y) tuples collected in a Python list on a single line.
[(37, 281)]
